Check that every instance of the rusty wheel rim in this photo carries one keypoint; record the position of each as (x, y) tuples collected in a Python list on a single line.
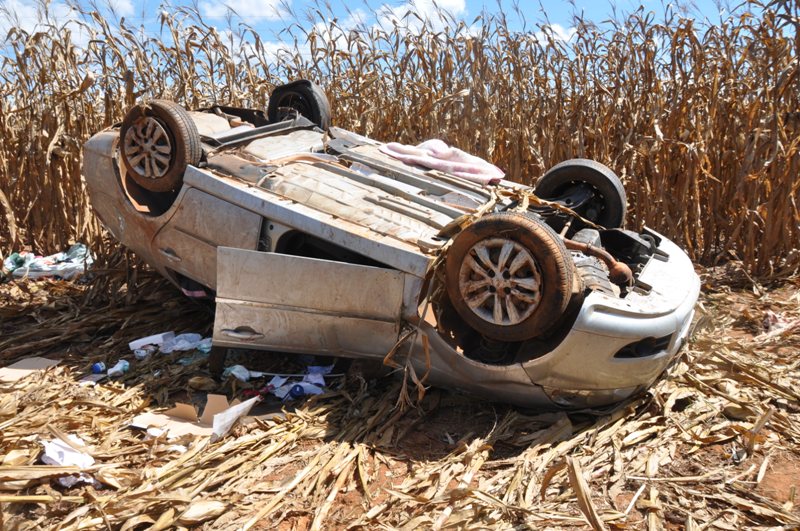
[(500, 281), (147, 148)]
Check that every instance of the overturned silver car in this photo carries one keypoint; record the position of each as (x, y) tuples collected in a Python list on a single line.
[(311, 239)]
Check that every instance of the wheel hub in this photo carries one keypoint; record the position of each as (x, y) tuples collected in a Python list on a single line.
[(500, 281), (147, 147)]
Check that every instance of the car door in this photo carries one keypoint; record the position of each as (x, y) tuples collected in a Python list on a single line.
[(289, 303)]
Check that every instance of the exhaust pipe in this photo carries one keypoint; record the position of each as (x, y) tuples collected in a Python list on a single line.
[(618, 272)]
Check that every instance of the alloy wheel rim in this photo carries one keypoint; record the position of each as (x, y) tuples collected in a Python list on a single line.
[(147, 148), (500, 281)]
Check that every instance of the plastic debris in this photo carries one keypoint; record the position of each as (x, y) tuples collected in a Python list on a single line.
[(145, 352), (182, 342), (205, 345), (316, 374), (301, 389), (98, 368), (311, 383), (239, 372), (119, 369), (66, 265), (277, 381), (59, 453), (91, 379), (156, 340)]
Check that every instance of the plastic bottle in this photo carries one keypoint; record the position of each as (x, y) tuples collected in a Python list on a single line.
[(98, 368), (119, 369)]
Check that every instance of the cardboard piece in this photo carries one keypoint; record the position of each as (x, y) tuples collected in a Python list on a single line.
[(23, 368), (218, 417)]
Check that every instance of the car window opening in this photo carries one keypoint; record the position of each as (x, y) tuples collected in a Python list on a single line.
[(296, 243)]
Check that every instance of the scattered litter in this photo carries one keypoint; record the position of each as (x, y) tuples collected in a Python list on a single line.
[(277, 381), (156, 339), (59, 453), (119, 369), (98, 367), (23, 368), (182, 342), (217, 419), (205, 345), (177, 448), (145, 352), (168, 342), (91, 379), (316, 374), (66, 265), (240, 373), (154, 433), (224, 421), (297, 390)]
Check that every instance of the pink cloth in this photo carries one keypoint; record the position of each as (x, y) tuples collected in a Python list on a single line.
[(437, 155)]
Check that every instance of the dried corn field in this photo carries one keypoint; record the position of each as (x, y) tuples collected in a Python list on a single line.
[(700, 120), (714, 445)]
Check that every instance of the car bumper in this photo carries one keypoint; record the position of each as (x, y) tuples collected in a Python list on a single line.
[(589, 367)]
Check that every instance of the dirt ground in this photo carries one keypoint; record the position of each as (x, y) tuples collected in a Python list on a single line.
[(714, 443)]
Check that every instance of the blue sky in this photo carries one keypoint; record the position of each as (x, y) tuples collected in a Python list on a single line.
[(269, 17)]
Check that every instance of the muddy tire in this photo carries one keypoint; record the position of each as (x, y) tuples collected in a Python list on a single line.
[(303, 96), (509, 277), (610, 203), (158, 140)]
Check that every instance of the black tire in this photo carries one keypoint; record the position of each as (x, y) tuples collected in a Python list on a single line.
[(545, 277), (158, 166), (609, 192), (303, 96)]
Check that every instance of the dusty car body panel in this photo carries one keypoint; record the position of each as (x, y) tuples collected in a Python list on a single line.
[(228, 225), (355, 310)]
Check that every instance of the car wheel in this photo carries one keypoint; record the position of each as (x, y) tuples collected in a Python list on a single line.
[(302, 96), (159, 140), (608, 203), (509, 276)]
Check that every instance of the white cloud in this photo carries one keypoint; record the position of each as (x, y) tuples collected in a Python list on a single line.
[(123, 8), (30, 16), (246, 9), (558, 32), (355, 19), (410, 14)]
